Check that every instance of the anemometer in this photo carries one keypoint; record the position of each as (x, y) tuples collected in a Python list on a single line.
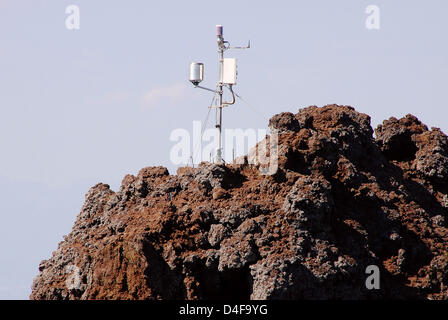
[(227, 78)]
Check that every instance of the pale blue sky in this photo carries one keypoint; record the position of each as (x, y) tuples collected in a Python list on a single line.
[(80, 107)]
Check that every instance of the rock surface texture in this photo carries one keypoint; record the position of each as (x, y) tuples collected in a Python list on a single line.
[(340, 201)]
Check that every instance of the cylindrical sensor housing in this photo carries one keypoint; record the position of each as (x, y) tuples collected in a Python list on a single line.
[(219, 31), (196, 72)]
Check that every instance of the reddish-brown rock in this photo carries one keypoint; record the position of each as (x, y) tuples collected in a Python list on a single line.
[(340, 201)]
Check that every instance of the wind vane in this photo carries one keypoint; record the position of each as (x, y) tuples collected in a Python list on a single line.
[(227, 78)]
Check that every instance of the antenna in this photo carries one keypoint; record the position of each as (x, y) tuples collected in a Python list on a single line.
[(227, 78)]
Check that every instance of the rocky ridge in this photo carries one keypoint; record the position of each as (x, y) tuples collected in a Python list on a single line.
[(341, 200)]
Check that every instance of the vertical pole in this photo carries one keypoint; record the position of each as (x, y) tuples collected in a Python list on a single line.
[(221, 66), (221, 61)]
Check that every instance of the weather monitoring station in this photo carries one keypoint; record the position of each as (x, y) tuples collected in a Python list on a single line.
[(227, 79)]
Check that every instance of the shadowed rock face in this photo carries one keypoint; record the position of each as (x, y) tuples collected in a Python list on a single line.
[(340, 201)]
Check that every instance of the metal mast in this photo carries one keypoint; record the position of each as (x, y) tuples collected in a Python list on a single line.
[(221, 48), (227, 78)]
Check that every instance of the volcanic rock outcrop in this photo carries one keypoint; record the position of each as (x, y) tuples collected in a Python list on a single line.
[(340, 201)]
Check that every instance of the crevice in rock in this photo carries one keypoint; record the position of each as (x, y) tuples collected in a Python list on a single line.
[(164, 283), (226, 285), (401, 148)]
